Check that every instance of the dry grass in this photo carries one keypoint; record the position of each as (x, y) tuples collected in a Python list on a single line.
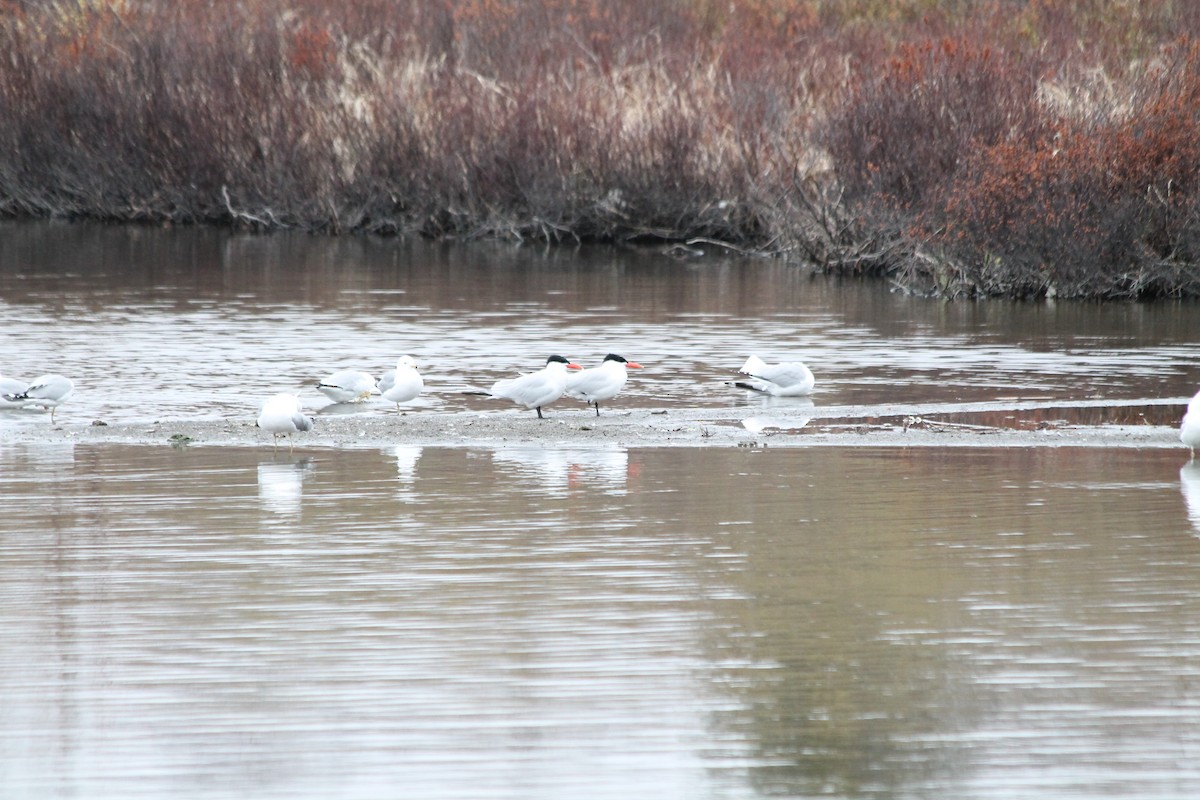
[(955, 148)]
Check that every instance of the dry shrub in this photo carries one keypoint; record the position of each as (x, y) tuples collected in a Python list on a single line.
[(902, 135), (444, 118), (956, 143), (1107, 207)]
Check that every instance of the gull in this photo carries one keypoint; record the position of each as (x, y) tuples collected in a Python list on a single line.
[(789, 379), (602, 382), (1189, 427), (536, 389), (348, 386), (402, 384), (281, 415), (47, 391), (14, 387)]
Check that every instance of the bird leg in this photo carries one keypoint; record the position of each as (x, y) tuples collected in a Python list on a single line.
[(597, 405), (539, 410)]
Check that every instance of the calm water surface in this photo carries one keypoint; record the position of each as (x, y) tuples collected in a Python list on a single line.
[(157, 324), (567, 622), (721, 622)]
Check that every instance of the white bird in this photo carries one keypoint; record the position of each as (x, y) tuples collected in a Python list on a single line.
[(789, 379), (281, 415), (402, 384), (1189, 428), (602, 382), (348, 386), (14, 387), (47, 391), (536, 389)]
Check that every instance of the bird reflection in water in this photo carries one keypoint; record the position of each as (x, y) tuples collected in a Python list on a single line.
[(407, 456), (786, 415), (1189, 481), (280, 485), (558, 470)]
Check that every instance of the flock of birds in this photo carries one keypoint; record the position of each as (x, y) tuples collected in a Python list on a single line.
[(282, 415)]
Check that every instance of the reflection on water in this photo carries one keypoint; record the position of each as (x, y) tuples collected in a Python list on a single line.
[(770, 420), (280, 485), (561, 469), (407, 457), (161, 324), (523, 623), (1189, 480)]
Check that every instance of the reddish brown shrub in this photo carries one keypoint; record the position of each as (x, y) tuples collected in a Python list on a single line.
[(905, 132), (628, 119), (1105, 210)]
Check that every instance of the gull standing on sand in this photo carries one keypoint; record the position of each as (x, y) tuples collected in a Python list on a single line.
[(537, 389), (1189, 428), (14, 387), (348, 386), (789, 379), (402, 384), (281, 415), (47, 391), (602, 382)]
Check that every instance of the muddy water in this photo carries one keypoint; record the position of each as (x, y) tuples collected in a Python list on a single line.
[(157, 324), (593, 621), (713, 622)]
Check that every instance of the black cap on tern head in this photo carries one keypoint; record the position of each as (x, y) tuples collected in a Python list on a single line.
[(559, 359), (615, 357)]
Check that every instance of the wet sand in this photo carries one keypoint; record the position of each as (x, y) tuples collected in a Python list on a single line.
[(935, 425)]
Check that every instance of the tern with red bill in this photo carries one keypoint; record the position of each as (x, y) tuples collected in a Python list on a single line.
[(600, 383), (536, 389)]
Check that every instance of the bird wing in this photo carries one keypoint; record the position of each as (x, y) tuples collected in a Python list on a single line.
[(784, 374), (532, 390), (595, 383)]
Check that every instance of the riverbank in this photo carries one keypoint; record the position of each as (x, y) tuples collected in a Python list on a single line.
[(956, 152)]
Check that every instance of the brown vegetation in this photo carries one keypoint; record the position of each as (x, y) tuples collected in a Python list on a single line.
[(1017, 148)]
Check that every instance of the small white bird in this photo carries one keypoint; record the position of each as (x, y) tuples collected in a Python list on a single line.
[(47, 391), (348, 386), (1189, 428), (602, 382), (280, 415), (402, 384), (14, 387), (789, 379), (537, 389)]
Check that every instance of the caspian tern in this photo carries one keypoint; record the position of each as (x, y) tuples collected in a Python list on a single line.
[(789, 379), (281, 415), (14, 387), (602, 382), (348, 386), (1189, 428), (401, 384), (537, 389), (47, 391)]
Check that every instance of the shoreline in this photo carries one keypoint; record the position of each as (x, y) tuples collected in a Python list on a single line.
[(915, 426)]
